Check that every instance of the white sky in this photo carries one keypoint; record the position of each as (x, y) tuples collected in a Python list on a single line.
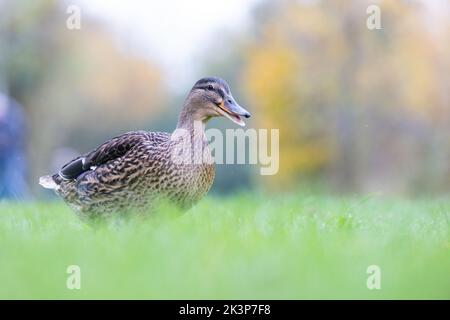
[(171, 31), (176, 32)]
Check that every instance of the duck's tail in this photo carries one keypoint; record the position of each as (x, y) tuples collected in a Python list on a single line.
[(48, 182)]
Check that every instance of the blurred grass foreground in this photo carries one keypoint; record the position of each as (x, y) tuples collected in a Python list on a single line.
[(293, 247)]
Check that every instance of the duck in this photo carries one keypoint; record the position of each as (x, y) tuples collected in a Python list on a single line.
[(133, 171)]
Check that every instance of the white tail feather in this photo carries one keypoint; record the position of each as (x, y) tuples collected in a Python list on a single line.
[(48, 182)]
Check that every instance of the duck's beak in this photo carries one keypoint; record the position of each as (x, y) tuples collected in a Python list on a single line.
[(230, 109)]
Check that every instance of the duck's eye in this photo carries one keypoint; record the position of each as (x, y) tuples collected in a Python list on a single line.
[(210, 87)]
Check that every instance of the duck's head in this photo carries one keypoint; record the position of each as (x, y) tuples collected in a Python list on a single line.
[(211, 97)]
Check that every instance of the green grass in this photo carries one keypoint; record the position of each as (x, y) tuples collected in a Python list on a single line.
[(250, 246)]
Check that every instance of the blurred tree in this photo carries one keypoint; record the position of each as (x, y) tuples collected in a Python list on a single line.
[(365, 109), (78, 86)]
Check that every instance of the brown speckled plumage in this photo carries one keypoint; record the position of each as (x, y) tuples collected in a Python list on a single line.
[(134, 170)]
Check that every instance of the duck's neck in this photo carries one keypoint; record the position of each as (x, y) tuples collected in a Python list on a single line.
[(190, 132), (192, 120), (190, 117)]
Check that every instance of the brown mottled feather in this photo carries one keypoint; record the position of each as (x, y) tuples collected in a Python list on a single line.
[(135, 169), (132, 171)]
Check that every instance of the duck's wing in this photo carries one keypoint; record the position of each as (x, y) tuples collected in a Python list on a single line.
[(109, 150)]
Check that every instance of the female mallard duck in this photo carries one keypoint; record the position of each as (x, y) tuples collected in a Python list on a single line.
[(137, 168)]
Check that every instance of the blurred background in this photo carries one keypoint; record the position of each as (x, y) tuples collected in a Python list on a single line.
[(358, 110)]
